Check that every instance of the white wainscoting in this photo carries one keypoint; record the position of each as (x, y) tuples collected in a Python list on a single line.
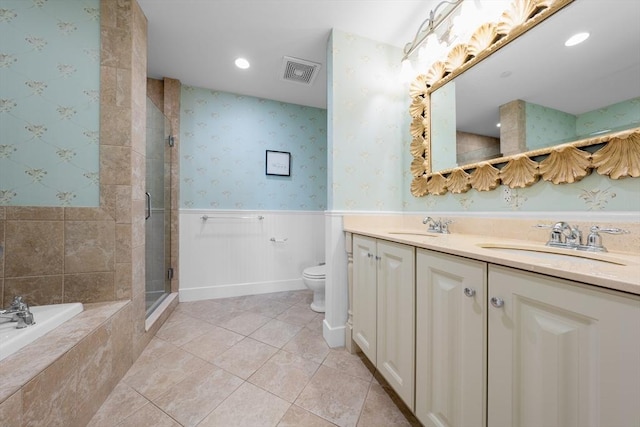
[(231, 253), (337, 289)]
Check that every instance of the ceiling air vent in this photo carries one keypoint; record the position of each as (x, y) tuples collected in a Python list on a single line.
[(299, 70)]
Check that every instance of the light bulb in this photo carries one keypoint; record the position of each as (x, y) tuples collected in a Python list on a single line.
[(576, 39), (242, 63)]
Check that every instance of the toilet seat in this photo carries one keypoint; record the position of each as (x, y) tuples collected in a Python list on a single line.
[(315, 273)]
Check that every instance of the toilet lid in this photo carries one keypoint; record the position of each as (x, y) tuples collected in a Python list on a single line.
[(317, 271)]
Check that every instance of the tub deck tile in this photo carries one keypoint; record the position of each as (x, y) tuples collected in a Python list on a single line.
[(28, 362)]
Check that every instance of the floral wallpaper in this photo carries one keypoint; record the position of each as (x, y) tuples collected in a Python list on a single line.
[(368, 104), (546, 126), (224, 139), (369, 141), (49, 102), (621, 115)]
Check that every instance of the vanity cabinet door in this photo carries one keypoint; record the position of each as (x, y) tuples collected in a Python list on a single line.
[(364, 304), (561, 354), (396, 321), (450, 340)]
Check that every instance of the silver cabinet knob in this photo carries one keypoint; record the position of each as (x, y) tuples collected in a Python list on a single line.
[(369, 255), (469, 292), (497, 302)]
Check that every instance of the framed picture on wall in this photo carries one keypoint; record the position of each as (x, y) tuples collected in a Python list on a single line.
[(278, 163)]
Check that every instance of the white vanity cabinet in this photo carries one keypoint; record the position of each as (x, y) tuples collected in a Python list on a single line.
[(561, 354), (384, 308), (365, 295), (470, 343), (450, 340)]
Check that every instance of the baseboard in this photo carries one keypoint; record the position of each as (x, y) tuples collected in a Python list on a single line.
[(334, 336), (239, 289)]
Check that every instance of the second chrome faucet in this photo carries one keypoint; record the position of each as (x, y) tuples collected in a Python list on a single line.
[(565, 236)]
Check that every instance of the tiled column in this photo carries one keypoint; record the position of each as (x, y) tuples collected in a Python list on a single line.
[(512, 128), (138, 54)]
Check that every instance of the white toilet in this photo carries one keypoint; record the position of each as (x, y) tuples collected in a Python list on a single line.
[(314, 278)]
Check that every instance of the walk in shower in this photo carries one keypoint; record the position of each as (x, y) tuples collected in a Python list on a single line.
[(158, 208)]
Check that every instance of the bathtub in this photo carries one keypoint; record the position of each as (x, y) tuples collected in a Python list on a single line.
[(47, 317)]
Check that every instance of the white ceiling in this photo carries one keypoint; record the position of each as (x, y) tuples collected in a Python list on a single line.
[(197, 41)]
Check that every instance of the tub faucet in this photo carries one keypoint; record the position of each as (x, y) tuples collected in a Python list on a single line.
[(18, 312)]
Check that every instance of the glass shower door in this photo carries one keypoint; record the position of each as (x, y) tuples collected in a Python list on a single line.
[(158, 208)]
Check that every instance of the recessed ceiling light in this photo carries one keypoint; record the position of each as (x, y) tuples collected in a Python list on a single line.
[(242, 63), (576, 39)]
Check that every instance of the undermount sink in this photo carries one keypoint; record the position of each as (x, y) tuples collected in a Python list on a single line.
[(414, 233), (551, 253)]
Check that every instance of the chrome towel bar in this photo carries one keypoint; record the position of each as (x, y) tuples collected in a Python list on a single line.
[(274, 240), (207, 217)]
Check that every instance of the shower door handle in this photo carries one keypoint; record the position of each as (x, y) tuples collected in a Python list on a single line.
[(148, 213)]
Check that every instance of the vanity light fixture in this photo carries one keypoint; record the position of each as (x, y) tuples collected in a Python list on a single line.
[(576, 39), (471, 14), (242, 63), (426, 29)]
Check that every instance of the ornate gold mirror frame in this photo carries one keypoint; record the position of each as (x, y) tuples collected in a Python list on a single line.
[(616, 155)]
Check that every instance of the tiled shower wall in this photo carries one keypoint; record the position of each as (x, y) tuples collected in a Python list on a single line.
[(89, 254), (67, 254), (56, 255)]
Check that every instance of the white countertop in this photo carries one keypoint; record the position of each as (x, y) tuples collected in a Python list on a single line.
[(532, 256)]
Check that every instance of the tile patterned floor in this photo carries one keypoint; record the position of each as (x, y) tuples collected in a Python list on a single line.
[(249, 361)]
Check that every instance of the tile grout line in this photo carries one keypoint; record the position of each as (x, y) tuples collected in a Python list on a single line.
[(254, 309), (231, 373)]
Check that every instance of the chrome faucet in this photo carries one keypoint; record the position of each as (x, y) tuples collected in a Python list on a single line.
[(594, 241), (572, 235), (565, 236), (18, 312), (441, 226)]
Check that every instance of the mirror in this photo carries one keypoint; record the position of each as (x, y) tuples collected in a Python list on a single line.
[(585, 95)]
